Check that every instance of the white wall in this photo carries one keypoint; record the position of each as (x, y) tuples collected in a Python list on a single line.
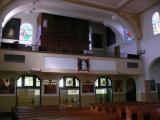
[(130, 48), (49, 62), (150, 42)]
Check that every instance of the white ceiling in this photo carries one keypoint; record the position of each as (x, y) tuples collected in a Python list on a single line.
[(95, 10), (133, 6)]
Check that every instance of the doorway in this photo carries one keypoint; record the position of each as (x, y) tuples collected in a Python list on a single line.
[(130, 90), (103, 87), (69, 92), (28, 91)]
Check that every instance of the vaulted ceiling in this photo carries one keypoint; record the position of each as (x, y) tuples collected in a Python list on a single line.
[(94, 10), (132, 6)]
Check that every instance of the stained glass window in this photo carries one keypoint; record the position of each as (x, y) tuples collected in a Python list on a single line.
[(69, 81), (156, 23), (103, 82), (26, 32), (28, 81), (127, 35)]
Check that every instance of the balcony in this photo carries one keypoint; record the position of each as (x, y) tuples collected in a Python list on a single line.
[(32, 58), (72, 51)]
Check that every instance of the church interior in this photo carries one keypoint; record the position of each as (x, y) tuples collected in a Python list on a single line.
[(79, 59)]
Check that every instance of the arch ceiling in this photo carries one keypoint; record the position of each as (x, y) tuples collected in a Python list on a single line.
[(94, 10), (133, 6)]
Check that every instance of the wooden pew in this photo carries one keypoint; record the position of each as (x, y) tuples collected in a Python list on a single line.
[(38, 113)]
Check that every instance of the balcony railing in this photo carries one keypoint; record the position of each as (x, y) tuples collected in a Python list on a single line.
[(36, 48)]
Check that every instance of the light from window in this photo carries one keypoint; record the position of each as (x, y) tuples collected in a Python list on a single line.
[(37, 82), (96, 83), (19, 82), (156, 23), (77, 83), (109, 82), (28, 81), (61, 83), (101, 91), (26, 32)]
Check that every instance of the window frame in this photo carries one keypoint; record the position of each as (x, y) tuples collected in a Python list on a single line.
[(156, 23)]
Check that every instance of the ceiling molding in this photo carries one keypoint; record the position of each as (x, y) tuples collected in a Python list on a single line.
[(123, 3), (88, 4)]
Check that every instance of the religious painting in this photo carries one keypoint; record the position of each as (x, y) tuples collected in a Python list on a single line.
[(26, 34), (7, 86), (88, 88), (12, 29), (118, 86), (50, 87), (83, 64)]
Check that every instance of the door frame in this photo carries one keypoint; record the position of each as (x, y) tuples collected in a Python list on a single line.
[(34, 80), (70, 88), (102, 87)]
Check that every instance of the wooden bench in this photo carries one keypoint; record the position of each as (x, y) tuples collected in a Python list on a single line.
[(51, 112)]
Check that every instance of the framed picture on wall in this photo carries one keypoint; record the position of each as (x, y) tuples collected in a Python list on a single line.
[(50, 87), (88, 88), (83, 64), (118, 86), (7, 86)]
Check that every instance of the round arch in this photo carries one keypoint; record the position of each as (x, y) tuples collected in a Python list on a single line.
[(116, 23), (153, 70), (28, 90), (19, 6)]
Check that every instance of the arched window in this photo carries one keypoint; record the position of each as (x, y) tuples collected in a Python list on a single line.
[(68, 82), (128, 37), (156, 23), (26, 34), (103, 88)]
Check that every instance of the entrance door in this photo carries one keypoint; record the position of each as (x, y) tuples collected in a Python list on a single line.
[(103, 95), (28, 97), (69, 98), (103, 90), (69, 92), (28, 91)]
